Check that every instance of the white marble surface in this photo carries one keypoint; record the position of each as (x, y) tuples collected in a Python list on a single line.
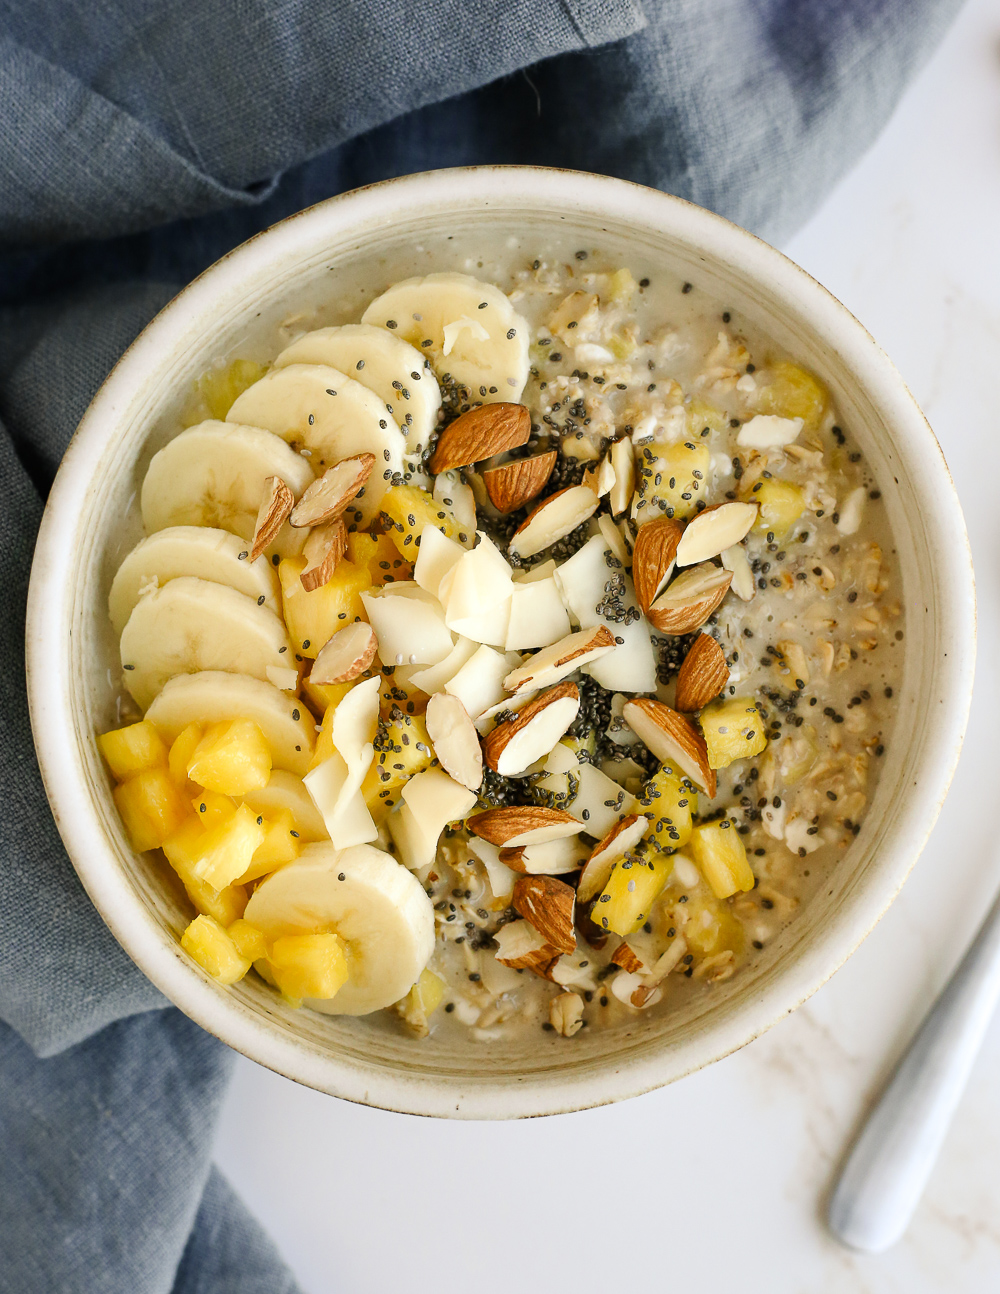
[(725, 1173)]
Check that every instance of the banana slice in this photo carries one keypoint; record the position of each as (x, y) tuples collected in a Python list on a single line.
[(213, 475), (214, 695), (321, 409), (400, 375), (191, 625), (285, 791), (201, 551), (475, 334), (377, 907)]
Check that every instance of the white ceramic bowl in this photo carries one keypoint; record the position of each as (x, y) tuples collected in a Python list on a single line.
[(366, 239)]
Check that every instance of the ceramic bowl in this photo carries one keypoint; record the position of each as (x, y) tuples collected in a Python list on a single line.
[(332, 255)]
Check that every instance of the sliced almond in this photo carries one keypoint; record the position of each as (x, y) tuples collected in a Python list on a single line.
[(527, 824), (653, 558), (455, 740), (323, 550), (735, 559), (553, 519), (520, 946), (702, 676), (690, 599), (623, 461), (550, 858), (625, 957), (516, 483), (514, 745), (672, 739), (714, 530), (328, 496), (346, 655), (622, 837), (274, 511), (553, 663), (482, 432), (549, 906)]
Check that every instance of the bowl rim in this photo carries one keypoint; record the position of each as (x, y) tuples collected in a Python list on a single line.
[(49, 620)]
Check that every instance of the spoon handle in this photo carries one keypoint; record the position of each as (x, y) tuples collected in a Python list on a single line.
[(888, 1167)]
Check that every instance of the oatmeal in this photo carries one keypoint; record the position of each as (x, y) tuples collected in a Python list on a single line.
[(507, 659)]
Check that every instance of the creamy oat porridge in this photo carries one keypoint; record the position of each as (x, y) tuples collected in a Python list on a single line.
[(516, 653)]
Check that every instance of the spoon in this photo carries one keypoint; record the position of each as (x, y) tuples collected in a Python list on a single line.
[(887, 1169)]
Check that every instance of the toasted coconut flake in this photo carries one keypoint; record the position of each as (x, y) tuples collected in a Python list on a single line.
[(455, 740), (715, 530), (516, 483), (672, 739), (323, 551), (482, 432), (523, 825), (549, 905), (274, 511), (553, 519), (552, 664), (514, 745), (346, 655), (653, 558), (690, 599), (702, 676), (327, 498)]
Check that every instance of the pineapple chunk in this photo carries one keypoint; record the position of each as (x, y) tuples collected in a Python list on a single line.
[(710, 927), (248, 939), (781, 504), (151, 807), (402, 748), (133, 749), (422, 1001), (211, 947), (622, 286), (792, 392), (635, 883), (281, 845), (380, 556), (701, 415), (313, 618), (213, 808), (183, 748), (232, 758), (672, 484), (183, 849), (308, 965), (406, 509), (733, 729), (323, 697), (669, 800), (228, 849), (216, 390), (718, 851)]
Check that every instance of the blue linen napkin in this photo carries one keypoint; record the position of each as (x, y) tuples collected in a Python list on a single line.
[(139, 143)]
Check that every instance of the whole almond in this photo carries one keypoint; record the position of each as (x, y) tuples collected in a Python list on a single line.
[(482, 432), (516, 483), (323, 551), (548, 904), (672, 739), (328, 496), (653, 558), (702, 676), (275, 509), (690, 599)]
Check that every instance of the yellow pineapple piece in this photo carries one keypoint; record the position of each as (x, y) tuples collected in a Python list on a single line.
[(622, 286), (406, 509), (710, 927), (308, 965), (380, 556), (421, 1002), (324, 696), (216, 390), (151, 807), (281, 845), (669, 800), (181, 751), (133, 749), (672, 483), (232, 758), (183, 850), (792, 392), (313, 618), (212, 808), (635, 883), (733, 729), (701, 415), (781, 504), (248, 939), (228, 849), (211, 947), (718, 850), (402, 748)]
